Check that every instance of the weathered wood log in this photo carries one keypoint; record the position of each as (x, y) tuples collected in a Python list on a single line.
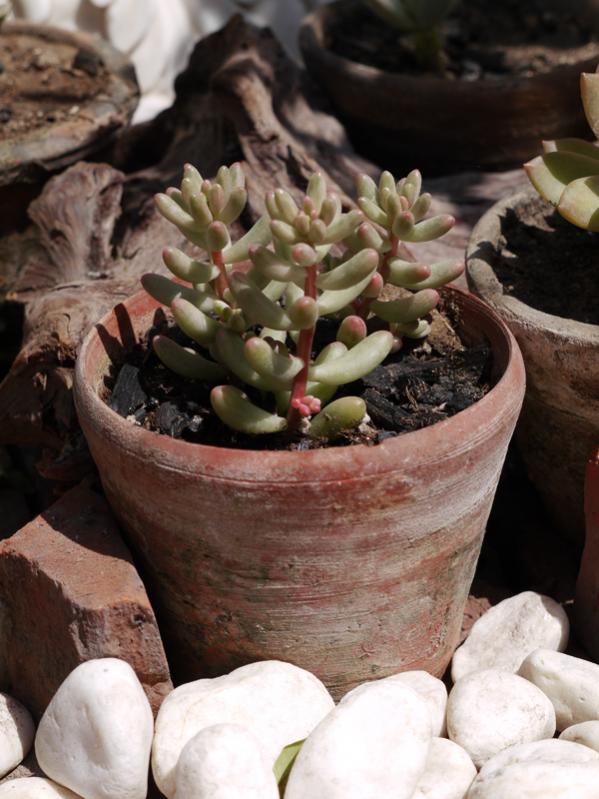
[(94, 230)]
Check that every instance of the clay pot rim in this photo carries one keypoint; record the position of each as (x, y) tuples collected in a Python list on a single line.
[(120, 93), (421, 447), (482, 276), (312, 38)]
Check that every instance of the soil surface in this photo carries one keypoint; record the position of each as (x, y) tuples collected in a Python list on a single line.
[(548, 263), (425, 382), (483, 40), (44, 82)]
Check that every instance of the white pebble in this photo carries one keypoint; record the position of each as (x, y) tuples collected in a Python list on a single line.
[(489, 710), (278, 702), (448, 773), (16, 733), (374, 744), (96, 734), (549, 769), (572, 685), (434, 693), (224, 762), (585, 733), (509, 631), (34, 788)]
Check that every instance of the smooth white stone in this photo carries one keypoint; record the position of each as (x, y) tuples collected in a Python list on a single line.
[(448, 773), (572, 685), (585, 733), (509, 631), (434, 693), (17, 731), (280, 703), (224, 762), (489, 710), (374, 744), (551, 769), (96, 734), (34, 788)]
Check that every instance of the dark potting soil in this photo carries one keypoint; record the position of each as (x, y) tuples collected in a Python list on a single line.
[(548, 263), (43, 82), (482, 39), (423, 383)]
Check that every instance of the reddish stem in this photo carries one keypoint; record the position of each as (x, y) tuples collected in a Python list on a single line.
[(304, 351), (222, 282)]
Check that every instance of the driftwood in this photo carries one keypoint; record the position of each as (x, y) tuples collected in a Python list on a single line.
[(94, 230)]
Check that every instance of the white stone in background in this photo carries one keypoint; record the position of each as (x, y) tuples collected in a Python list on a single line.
[(374, 744), (448, 773), (572, 685), (96, 734), (34, 788), (280, 703), (549, 769), (16, 733), (509, 631), (224, 762), (434, 693), (585, 733), (489, 710)]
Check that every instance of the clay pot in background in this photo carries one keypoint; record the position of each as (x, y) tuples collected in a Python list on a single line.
[(352, 562), (439, 125), (76, 92), (587, 587), (559, 424)]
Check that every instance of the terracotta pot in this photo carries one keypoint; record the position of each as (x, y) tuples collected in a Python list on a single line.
[(587, 587), (404, 121), (28, 157), (353, 562), (559, 424)]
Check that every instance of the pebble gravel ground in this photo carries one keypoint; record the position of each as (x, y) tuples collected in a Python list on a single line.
[(402, 736)]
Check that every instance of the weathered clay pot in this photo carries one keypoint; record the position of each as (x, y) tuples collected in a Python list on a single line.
[(79, 124), (587, 587), (353, 562), (404, 121), (559, 424)]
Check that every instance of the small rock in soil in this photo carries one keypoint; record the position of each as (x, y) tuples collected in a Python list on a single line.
[(128, 394), (16, 733), (96, 734), (489, 710), (225, 760), (507, 633), (571, 683), (5, 114), (550, 769), (448, 773), (88, 62)]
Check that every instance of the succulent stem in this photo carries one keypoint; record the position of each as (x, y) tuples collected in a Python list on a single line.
[(304, 351), (222, 283)]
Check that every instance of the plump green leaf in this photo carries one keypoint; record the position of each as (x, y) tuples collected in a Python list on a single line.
[(406, 309), (187, 362), (579, 203), (357, 362), (234, 409), (258, 234), (345, 413), (350, 272)]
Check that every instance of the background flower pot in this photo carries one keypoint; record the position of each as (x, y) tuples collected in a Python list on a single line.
[(74, 93), (435, 124), (559, 424), (353, 562), (587, 587)]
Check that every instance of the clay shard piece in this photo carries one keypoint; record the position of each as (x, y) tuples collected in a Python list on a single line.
[(69, 592), (96, 734), (509, 631)]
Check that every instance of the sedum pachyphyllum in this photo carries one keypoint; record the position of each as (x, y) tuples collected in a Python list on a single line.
[(567, 174), (252, 306), (420, 20)]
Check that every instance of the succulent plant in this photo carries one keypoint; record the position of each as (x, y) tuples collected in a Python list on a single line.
[(567, 174), (253, 305), (5, 9), (421, 20)]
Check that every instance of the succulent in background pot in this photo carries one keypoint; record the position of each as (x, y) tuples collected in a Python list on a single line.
[(353, 562), (401, 115), (560, 420)]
